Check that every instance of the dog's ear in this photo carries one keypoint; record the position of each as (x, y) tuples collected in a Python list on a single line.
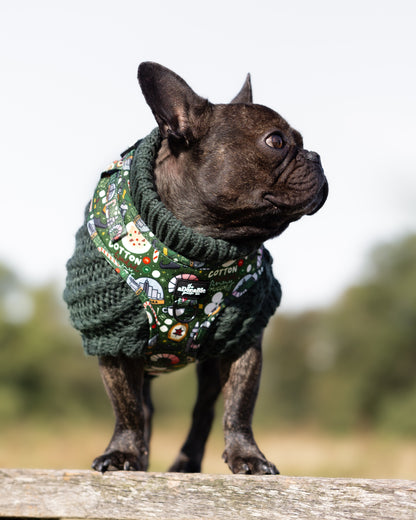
[(180, 113), (246, 93)]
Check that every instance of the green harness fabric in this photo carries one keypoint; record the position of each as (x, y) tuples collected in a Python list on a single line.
[(182, 297), (198, 296)]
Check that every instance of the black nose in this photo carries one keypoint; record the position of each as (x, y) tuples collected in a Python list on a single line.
[(313, 156)]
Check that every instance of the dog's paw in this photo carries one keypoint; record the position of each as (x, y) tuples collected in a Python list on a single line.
[(257, 465), (118, 461), (184, 464)]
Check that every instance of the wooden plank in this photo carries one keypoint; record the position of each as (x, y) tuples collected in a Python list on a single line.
[(173, 496)]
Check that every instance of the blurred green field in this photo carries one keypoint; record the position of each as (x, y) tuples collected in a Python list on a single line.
[(296, 453), (337, 395)]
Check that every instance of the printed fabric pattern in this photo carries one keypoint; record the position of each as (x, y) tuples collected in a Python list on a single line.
[(182, 297)]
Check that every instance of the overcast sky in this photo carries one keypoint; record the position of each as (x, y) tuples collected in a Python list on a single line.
[(343, 73)]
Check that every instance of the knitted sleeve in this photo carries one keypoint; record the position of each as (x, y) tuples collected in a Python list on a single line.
[(108, 314)]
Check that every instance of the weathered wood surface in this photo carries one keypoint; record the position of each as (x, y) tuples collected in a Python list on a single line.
[(172, 496)]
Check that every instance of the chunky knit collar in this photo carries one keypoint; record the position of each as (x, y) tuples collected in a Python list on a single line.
[(161, 221)]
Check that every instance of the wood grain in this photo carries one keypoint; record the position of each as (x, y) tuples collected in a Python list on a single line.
[(174, 496)]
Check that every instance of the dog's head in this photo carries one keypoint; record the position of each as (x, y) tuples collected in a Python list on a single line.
[(236, 171)]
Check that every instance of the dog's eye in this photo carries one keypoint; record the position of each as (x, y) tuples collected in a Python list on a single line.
[(275, 141)]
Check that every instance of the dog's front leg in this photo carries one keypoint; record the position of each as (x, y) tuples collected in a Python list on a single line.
[(128, 449), (241, 383)]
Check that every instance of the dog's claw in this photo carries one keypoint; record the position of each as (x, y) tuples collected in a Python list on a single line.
[(270, 469), (106, 465), (118, 460), (101, 466)]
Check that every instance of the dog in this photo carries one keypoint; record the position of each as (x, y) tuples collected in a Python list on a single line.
[(182, 218)]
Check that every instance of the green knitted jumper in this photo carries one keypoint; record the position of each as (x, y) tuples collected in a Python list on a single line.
[(112, 318)]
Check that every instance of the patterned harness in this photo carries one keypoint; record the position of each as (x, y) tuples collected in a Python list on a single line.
[(181, 297)]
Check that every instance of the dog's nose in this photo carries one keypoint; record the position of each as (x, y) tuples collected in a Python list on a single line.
[(313, 156)]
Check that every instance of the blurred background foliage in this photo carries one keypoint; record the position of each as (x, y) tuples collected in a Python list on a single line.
[(352, 365), (337, 397), (346, 367)]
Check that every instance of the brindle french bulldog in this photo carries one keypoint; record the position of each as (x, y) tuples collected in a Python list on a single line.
[(245, 176)]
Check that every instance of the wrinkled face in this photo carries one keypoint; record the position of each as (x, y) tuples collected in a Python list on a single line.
[(255, 174)]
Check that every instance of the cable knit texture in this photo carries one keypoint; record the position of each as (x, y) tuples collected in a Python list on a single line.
[(109, 315)]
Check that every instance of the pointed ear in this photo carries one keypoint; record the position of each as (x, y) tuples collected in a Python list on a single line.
[(179, 112), (246, 94)]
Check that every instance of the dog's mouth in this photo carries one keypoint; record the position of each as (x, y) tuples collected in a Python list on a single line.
[(301, 187), (321, 199), (294, 211)]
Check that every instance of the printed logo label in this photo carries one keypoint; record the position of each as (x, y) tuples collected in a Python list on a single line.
[(193, 288)]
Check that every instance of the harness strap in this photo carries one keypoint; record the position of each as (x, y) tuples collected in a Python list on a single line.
[(182, 297)]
